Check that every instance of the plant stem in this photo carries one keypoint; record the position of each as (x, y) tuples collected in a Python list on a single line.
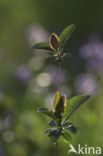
[(56, 149), (59, 74)]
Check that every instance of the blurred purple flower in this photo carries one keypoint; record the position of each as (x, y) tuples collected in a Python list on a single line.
[(95, 65), (23, 73), (86, 83), (36, 33), (92, 51)]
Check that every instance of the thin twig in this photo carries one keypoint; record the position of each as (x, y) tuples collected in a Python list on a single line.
[(56, 149), (58, 76)]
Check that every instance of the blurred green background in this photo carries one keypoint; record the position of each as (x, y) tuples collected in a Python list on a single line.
[(28, 78)]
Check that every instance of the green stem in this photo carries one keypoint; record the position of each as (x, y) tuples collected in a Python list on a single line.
[(59, 78), (56, 149)]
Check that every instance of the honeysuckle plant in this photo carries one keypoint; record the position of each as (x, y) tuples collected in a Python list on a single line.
[(62, 110), (55, 44)]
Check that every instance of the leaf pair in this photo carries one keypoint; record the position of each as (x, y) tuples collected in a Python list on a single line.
[(56, 43), (62, 110), (62, 105), (69, 126), (55, 134), (59, 103), (65, 106)]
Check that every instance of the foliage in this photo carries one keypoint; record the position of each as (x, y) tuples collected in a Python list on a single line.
[(59, 123), (56, 43)]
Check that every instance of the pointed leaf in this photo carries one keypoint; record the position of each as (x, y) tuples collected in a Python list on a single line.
[(64, 99), (70, 126), (56, 99), (66, 137), (59, 103), (54, 134), (54, 41), (66, 34), (73, 104), (49, 130), (73, 129), (43, 46), (47, 112), (66, 124), (52, 123)]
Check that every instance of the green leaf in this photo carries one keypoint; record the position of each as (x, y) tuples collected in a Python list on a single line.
[(70, 126), (73, 104), (49, 130), (73, 129), (43, 46), (66, 34), (54, 134), (52, 123), (56, 99), (66, 136), (47, 112), (59, 103), (66, 124)]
